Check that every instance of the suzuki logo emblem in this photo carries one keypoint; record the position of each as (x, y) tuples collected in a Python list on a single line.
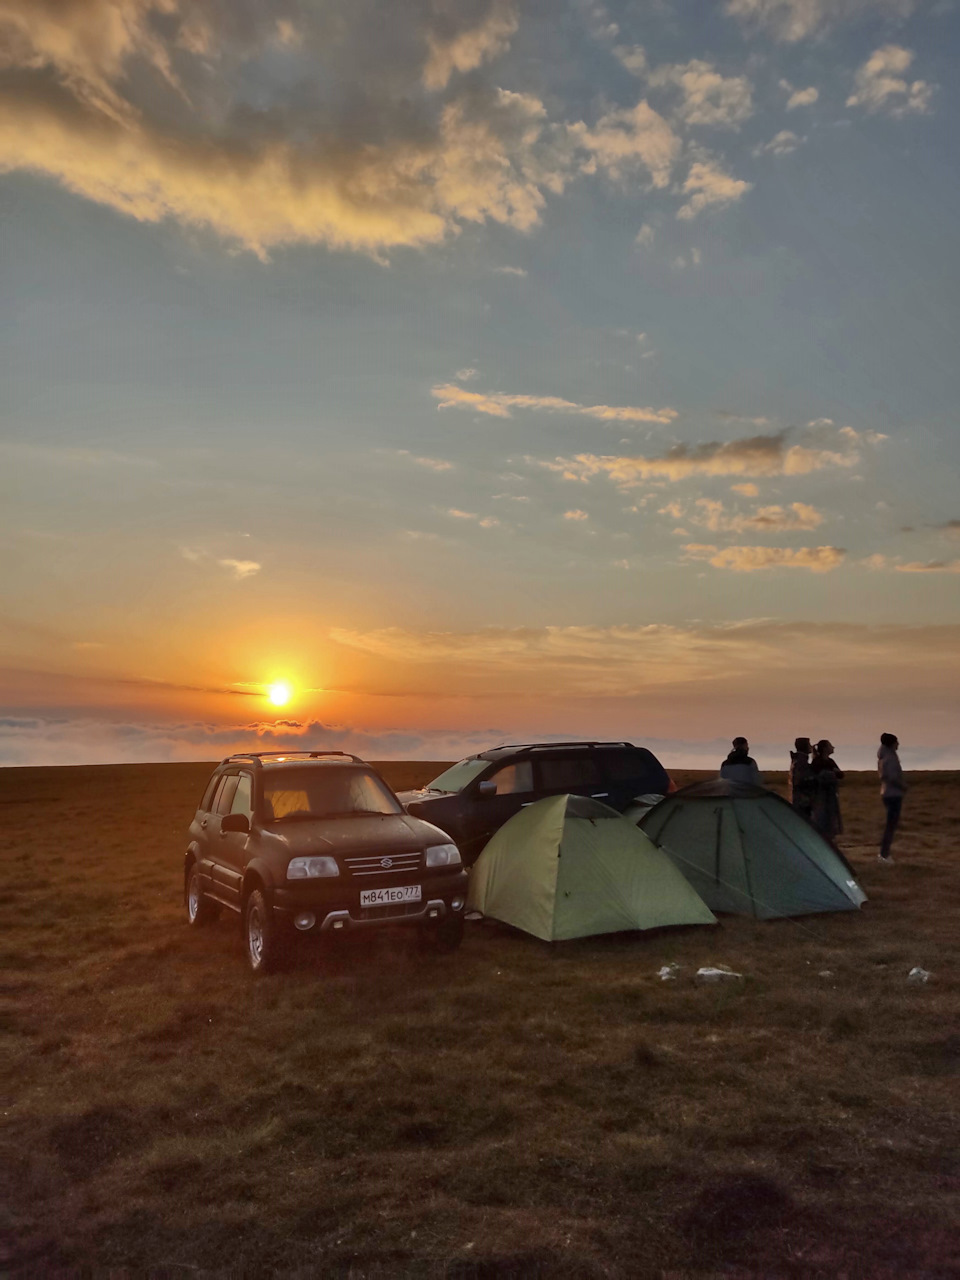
[(386, 862)]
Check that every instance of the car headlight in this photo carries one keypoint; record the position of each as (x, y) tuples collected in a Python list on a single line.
[(311, 868), (443, 855)]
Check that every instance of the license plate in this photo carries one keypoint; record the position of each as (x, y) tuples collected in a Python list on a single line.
[(384, 897)]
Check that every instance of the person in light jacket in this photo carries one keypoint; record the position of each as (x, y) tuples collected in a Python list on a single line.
[(892, 788), (741, 767)]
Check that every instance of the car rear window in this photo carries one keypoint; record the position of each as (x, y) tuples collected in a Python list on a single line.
[(625, 766)]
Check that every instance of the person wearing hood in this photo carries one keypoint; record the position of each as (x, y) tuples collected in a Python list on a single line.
[(892, 788), (800, 779), (827, 776), (741, 767)]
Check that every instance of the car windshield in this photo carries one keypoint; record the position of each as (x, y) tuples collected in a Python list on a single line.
[(458, 775), (296, 795)]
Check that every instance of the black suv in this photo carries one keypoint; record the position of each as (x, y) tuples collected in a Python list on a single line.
[(475, 797), (315, 841)]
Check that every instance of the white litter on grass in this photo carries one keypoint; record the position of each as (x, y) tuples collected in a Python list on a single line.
[(668, 972), (917, 974), (825, 973), (720, 973)]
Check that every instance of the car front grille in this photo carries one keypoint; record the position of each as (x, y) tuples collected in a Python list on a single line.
[(392, 911), (385, 864)]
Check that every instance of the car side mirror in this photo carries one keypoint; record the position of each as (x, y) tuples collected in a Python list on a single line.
[(235, 822), (486, 789)]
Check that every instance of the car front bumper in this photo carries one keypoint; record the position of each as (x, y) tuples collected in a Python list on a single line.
[(340, 908)]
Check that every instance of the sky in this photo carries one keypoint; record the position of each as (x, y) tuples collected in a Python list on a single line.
[(484, 371)]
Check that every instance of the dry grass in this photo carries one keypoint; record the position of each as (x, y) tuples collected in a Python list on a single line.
[(514, 1110)]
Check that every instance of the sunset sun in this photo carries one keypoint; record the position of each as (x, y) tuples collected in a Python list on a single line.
[(279, 693)]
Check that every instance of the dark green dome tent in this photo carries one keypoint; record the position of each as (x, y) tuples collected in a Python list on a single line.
[(570, 867), (747, 852)]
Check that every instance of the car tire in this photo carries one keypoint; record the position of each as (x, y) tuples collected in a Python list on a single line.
[(264, 940), (200, 910), (443, 937)]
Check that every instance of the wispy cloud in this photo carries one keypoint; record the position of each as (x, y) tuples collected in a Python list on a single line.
[(799, 97), (709, 513), (709, 186), (814, 450), (645, 236), (929, 566), (629, 140), (499, 405), (485, 522), (72, 456), (240, 568), (707, 96), (576, 514), (793, 20), (464, 50), (880, 85), (509, 271), (752, 559), (781, 144), (310, 174), (631, 56)]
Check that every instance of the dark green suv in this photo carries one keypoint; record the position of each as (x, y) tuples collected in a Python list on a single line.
[(315, 842)]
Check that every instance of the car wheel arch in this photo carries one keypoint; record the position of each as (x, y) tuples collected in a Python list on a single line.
[(190, 859)]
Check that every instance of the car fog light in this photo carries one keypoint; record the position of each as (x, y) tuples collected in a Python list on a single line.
[(456, 904), (305, 920), (338, 924), (433, 913)]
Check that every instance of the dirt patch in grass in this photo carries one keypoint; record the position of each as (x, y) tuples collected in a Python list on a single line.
[(515, 1109)]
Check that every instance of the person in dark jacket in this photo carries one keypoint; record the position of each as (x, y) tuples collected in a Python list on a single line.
[(800, 780), (892, 787), (827, 776), (741, 767)]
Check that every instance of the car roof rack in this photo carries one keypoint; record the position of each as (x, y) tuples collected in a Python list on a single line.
[(259, 757), (545, 746)]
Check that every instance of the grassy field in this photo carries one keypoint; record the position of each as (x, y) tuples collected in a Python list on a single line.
[(513, 1110)]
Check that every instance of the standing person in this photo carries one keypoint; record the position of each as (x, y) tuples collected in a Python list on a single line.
[(741, 767), (892, 788), (800, 780), (826, 775)]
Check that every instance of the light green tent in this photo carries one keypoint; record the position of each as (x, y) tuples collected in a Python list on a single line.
[(570, 867), (746, 851)]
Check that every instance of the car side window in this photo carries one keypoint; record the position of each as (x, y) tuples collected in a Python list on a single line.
[(225, 794), (206, 804), (243, 796), (568, 773), (513, 779)]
